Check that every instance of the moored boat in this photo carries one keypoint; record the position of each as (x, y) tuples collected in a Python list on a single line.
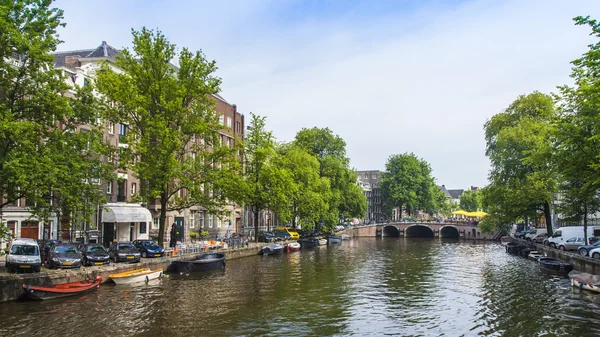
[(40, 293), (534, 255), (293, 247), (554, 265), (525, 252), (506, 240), (308, 243), (585, 281), (334, 239), (514, 247), (138, 275), (272, 249), (204, 262), (322, 242)]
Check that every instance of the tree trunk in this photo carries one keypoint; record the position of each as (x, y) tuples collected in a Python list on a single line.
[(163, 218), (255, 212), (585, 223), (548, 217)]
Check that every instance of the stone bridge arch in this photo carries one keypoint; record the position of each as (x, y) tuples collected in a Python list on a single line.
[(419, 231), (391, 231), (449, 232)]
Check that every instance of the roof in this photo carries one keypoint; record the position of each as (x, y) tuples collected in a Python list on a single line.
[(219, 97), (104, 50), (445, 191), (455, 194)]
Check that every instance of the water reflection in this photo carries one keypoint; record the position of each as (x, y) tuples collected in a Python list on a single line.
[(365, 287)]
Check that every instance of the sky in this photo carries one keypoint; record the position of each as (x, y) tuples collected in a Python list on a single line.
[(389, 77)]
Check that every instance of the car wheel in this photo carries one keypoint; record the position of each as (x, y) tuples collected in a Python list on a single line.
[(596, 255), (562, 248), (553, 245), (144, 254), (583, 252)]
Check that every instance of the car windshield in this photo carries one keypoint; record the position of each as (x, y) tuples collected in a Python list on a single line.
[(24, 250), (95, 249), (150, 244), (65, 249), (125, 246)]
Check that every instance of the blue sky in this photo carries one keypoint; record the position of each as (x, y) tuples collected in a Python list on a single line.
[(387, 76)]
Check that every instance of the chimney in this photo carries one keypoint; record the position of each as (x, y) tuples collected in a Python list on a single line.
[(72, 61)]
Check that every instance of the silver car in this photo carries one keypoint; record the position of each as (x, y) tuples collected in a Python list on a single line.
[(572, 243)]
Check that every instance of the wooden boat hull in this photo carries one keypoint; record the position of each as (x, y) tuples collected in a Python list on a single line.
[(40, 293), (514, 248), (555, 266), (585, 281), (201, 263), (334, 239), (506, 240), (309, 243), (136, 276)]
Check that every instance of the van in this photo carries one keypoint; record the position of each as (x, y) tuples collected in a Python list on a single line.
[(563, 233), (535, 232), (293, 234), (24, 255)]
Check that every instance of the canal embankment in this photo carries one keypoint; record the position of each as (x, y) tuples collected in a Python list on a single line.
[(580, 263), (11, 284)]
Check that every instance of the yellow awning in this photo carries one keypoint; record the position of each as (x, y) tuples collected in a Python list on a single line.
[(460, 212)]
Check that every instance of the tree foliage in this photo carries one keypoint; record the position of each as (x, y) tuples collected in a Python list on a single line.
[(173, 130), (407, 183), (518, 144), (45, 160), (470, 201), (346, 199)]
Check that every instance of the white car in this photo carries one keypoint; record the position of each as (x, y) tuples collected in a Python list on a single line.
[(24, 255), (595, 253)]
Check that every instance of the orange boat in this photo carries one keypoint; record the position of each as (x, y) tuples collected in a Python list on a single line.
[(40, 293)]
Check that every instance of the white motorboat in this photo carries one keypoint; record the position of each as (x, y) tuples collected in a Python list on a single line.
[(135, 276), (585, 281), (534, 255), (322, 242)]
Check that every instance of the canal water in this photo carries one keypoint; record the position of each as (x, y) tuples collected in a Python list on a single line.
[(363, 287)]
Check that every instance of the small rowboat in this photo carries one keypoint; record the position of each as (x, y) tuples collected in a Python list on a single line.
[(204, 262), (308, 243), (585, 281), (40, 293), (555, 266), (322, 242), (334, 239), (138, 275), (272, 249), (293, 247), (534, 255)]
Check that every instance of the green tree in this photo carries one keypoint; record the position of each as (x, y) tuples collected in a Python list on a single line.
[(310, 192), (522, 180), (330, 151), (470, 201), (173, 130), (407, 182), (44, 157), (577, 135), (266, 181)]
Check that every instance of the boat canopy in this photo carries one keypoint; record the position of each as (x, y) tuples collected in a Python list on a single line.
[(125, 213)]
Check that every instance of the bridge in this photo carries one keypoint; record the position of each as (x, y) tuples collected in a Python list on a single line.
[(448, 230)]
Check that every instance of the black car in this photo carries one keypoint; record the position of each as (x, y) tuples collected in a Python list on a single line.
[(149, 248), (94, 255), (64, 256), (124, 251), (46, 246), (267, 237)]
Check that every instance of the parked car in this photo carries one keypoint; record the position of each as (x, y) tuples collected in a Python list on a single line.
[(64, 256), (585, 250), (595, 253), (521, 234), (572, 243), (149, 248), (46, 246), (539, 238), (282, 235), (124, 251), (290, 231), (23, 255), (535, 232), (267, 237), (94, 254)]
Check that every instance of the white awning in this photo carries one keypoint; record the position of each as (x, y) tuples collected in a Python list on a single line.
[(125, 213)]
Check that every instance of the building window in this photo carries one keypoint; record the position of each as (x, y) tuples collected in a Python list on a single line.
[(122, 129), (221, 120), (111, 128), (229, 122), (142, 228), (193, 139), (210, 221), (133, 188), (155, 223), (201, 219), (109, 187), (218, 223), (192, 218)]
